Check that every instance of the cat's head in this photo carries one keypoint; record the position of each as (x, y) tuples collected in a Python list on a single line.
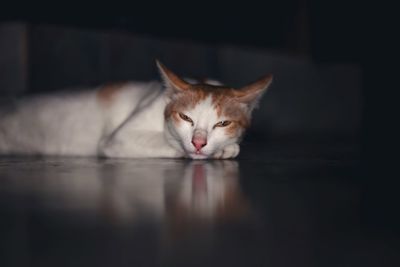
[(202, 119)]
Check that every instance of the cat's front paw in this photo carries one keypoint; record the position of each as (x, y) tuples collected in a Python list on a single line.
[(109, 149), (228, 152)]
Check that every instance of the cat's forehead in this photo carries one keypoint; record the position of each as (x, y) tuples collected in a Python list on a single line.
[(214, 95), (211, 90), (221, 98), (208, 100), (197, 94)]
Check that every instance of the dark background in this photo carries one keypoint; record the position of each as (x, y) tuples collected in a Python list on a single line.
[(315, 35)]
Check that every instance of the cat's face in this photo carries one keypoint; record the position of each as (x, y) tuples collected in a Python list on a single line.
[(202, 119)]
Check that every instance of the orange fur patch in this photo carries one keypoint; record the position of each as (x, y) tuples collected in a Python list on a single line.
[(185, 101), (233, 130), (108, 92), (176, 118), (227, 106)]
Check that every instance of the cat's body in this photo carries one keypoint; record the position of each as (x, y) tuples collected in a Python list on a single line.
[(76, 123), (130, 120)]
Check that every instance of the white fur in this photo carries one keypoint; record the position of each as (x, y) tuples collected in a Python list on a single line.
[(133, 125), (61, 124)]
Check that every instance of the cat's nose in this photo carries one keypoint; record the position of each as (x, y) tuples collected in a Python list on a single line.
[(199, 143), (199, 139)]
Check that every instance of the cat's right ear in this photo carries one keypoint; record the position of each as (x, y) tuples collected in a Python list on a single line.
[(173, 83)]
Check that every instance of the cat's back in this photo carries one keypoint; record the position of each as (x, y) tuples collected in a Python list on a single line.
[(136, 100), (69, 121), (123, 95), (127, 94)]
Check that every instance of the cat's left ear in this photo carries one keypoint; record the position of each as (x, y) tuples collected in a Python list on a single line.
[(252, 93), (173, 82)]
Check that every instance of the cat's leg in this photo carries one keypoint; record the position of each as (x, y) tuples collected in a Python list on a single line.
[(228, 152), (137, 144)]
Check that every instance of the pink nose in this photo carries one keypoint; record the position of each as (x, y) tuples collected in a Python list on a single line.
[(199, 143)]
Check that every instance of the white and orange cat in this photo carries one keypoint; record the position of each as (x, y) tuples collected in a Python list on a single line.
[(134, 120)]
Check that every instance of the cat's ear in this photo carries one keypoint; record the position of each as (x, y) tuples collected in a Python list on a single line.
[(252, 93), (173, 82)]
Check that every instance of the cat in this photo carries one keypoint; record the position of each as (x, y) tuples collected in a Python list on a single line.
[(174, 118)]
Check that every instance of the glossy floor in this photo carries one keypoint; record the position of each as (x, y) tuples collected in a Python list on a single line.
[(274, 210)]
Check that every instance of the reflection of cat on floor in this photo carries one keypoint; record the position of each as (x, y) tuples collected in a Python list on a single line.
[(191, 193), (126, 192), (207, 192)]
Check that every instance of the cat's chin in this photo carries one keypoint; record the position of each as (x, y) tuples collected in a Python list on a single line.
[(198, 156)]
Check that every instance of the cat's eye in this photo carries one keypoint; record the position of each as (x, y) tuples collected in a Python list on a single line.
[(185, 118), (222, 124)]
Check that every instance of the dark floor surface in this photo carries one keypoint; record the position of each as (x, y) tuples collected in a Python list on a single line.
[(274, 207)]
